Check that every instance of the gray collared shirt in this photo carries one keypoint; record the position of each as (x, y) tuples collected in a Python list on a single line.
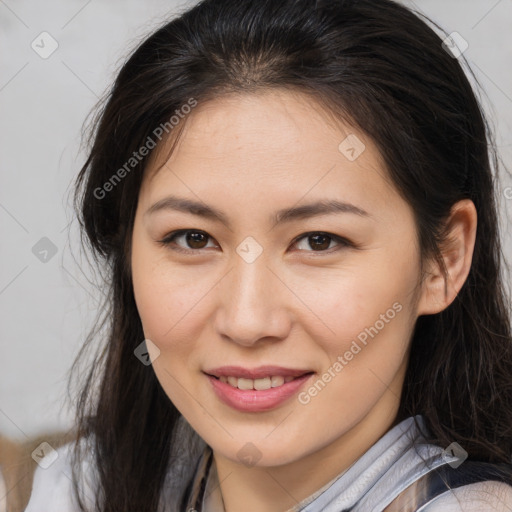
[(399, 458), (371, 483)]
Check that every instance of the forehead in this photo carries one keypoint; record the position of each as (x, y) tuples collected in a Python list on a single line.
[(267, 143)]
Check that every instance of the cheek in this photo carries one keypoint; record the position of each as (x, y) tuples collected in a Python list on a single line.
[(164, 307), (370, 324), (157, 298), (169, 306), (170, 300), (366, 314)]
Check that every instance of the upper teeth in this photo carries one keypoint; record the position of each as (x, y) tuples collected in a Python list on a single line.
[(258, 384)]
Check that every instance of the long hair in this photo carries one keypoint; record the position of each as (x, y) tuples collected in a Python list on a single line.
[(372, 63)]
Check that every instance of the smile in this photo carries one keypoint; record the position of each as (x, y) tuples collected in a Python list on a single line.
[(256, 390), (258, 384)]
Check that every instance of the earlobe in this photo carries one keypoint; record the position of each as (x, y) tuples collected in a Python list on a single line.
[(439, 291)]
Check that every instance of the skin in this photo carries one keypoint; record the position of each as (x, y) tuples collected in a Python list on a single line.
[(295, 306)]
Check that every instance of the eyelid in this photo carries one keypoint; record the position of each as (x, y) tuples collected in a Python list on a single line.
[(341, 241)]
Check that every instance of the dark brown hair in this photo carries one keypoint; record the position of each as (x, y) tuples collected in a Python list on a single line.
[(382, 68)]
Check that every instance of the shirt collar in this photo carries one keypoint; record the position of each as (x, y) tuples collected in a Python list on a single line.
[(388, 462)]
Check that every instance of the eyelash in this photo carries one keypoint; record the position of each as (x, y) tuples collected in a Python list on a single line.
[(169, 239)]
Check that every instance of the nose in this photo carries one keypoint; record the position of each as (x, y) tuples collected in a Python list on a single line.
[(253, 304)]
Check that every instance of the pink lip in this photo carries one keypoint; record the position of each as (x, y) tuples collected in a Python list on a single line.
[(251, 400), (256, 373)]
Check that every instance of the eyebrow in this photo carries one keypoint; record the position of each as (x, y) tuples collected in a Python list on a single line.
[(317, 208)]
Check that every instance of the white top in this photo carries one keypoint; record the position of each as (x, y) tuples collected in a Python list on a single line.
[(53, 489)]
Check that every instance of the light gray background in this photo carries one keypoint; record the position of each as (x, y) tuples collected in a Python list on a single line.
[(48, 307)]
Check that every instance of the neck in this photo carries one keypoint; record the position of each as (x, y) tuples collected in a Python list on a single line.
[(279, 488)]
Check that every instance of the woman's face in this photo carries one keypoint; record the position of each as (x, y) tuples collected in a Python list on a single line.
[(264, 275)]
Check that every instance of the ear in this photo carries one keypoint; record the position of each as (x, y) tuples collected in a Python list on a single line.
[(437, 291)]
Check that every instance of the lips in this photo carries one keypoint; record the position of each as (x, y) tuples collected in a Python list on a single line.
[(256, 389)]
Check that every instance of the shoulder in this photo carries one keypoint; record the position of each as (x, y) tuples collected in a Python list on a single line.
[(479, 497), (52, 488)]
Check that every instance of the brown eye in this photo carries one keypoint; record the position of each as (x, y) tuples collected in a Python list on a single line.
[(196, 240), (320, 242), (192, 240)]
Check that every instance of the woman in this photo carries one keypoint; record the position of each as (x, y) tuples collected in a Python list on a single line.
[(243, 372)]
